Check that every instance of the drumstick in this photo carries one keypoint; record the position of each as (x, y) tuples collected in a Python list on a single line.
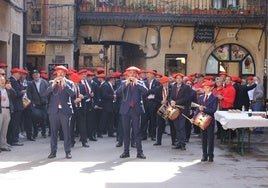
[(179, 106), (186, 117)]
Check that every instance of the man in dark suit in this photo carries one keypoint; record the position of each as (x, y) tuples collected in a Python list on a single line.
[(37, 93), (108, 98), (161, 96), (151, 104), (13, 128), (60, 92), (208, 104), (79, 106), (180, 96), (131, 91)]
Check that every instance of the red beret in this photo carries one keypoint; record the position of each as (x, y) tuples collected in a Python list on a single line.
[(82, 71), (150, 71), (236, 79), (90, 73), (15, 70), (223, 73), (61, 67), (133, 68), (209, 77), (24, 71), (101, 76), (75, 78), (70, 71), (189, 79), (117, 74), (100, 69), (178, 74), (250, 78), (2, 64), (164, 79), (44, 76), (43, 71), (208, 83)]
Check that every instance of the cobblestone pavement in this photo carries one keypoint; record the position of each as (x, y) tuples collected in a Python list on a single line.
[(100, 166)]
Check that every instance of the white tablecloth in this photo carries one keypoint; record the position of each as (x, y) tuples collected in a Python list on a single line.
[(232, 120)]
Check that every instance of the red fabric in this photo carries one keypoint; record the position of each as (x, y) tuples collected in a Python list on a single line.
[(228, 94)]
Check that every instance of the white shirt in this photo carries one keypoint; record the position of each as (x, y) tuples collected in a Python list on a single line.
[(4, 102)]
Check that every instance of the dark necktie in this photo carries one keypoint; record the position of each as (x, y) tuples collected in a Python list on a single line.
[(60, 87), (177, 91), (206, 98)]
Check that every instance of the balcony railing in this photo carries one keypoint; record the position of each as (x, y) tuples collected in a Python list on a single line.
[(219, 7)]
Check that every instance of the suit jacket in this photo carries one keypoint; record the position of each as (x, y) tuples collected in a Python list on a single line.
[(82, 91), (63, 97), (183, 98), (32, 93), (211, 105), (131, 94), (107, 97), (11, 94), (17, 98)]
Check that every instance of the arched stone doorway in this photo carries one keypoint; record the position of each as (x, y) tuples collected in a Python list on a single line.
[(231, 58)]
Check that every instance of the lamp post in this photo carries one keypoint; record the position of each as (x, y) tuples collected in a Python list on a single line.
[(104, 58), (265, 77)]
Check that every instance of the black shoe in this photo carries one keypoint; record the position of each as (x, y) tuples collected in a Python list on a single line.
[(52, 155), (153, 139), (5, 149), (68, 155), (183, 148), (85, 145), (157, 144), (93, 139), (30, 139), (204, 159), (111, 135), (210, 159), (124, 155), (141, 156), (17, 144), (44, 135), (133, 145), (100, 136), (176, 147), (144, 138), (119, 144)]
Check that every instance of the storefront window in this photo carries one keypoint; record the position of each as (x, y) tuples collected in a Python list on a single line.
[(232, 58), (175, 63)]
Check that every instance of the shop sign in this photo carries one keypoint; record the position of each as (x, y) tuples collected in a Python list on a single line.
[(36, 48), (204, 33)]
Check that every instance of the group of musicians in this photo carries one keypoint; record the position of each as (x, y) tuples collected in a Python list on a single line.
[(133, 105)]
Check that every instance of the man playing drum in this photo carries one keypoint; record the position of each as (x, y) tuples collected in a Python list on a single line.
[(208, 106), (179, 96)]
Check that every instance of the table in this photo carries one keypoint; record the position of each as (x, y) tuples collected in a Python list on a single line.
[(240, 120)]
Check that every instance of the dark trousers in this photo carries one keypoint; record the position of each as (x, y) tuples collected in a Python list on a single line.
[(161, 125), (14, 127), (40, 121), (152, 114), (107, 122), (27, 122), (208, 140), (188, 128), (91, 123), (98, 119), (79, 120), (144, 125), (119, 130), (58, 120), (179, 125), (128, 120)]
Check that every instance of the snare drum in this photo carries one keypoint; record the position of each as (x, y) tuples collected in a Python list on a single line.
[(172, 113), (202, 120), (162, 111)]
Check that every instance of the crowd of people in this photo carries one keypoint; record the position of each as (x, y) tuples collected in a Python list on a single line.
[(132, 106)]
